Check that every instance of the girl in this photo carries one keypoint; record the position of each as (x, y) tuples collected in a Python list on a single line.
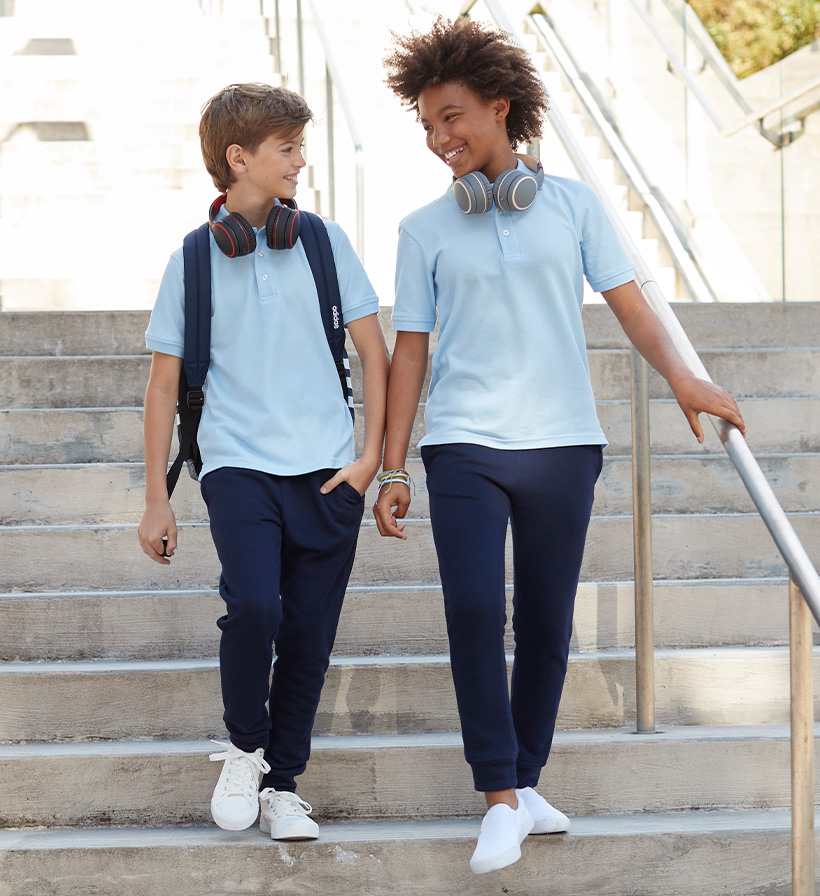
[(512, 434)]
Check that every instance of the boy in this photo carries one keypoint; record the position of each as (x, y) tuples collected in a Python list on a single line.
[(512, 432), (280, 480)]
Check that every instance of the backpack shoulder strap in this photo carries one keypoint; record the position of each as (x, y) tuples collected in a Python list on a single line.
[(196, 255), (319, 253)]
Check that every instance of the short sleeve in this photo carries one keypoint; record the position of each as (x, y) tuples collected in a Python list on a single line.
[(606, 265), (415, 307), (358, 296), (166, 328)]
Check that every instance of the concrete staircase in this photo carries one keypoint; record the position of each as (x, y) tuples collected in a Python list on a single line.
[(100, 166), (110, 680)]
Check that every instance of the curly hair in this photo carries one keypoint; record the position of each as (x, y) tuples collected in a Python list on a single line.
[(478, 56)]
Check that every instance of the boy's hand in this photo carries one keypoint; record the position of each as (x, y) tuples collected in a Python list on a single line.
[(158, 532), (359, 474), (392, 505), (696, 396)]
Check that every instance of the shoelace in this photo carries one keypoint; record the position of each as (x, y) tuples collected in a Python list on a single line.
[(243, 769), (281, 803)]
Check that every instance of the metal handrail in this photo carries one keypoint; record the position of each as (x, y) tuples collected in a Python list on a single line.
[(657, 207), (803, 577), (777, 138), (333, 77), (735, 445), (696, 32)]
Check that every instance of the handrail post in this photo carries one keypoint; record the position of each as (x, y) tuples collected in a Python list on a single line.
[(278, 38), (331, 147), (642, 543), (802, 742), (300, 46)]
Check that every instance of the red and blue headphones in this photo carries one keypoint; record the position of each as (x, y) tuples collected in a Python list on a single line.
[(236, 237)]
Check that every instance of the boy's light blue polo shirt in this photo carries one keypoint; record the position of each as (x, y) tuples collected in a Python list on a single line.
[(273, 401), (510, 368)]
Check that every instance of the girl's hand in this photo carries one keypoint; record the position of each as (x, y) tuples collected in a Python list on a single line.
[(391, 506), (696, 396)]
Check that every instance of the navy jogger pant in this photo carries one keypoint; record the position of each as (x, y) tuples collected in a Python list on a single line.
[(286, 552), (546, 495)]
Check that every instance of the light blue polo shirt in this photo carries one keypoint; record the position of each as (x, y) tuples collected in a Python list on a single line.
[(273, 401), (510, 368)]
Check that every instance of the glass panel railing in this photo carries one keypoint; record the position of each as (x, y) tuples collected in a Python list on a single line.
[(697, 131)]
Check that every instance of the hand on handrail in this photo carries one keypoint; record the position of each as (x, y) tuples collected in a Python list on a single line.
[(696, 396)]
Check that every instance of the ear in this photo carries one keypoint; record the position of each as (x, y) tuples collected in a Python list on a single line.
[(235, 156), (501, 108)]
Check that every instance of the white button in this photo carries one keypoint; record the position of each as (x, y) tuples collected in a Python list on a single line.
[(264, 276), (260, 253), (506, 233)]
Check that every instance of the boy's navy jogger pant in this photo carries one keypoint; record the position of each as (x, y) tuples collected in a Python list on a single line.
[(546, 495), (286, 552)]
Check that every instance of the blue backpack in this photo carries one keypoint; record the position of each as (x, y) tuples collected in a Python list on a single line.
[(196, 251)]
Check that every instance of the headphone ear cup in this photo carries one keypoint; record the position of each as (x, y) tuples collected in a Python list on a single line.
[(234, 235), (283, 227), (473, 193), (515, 190)]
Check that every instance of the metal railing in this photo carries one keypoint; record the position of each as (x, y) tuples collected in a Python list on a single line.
[(333, 83), (778, 138), (333, 78), (804, 588), (672, 231)]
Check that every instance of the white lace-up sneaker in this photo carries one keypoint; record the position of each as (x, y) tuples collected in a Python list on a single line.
[(285, 816), (548, 820), (235, 803), (502, 832)]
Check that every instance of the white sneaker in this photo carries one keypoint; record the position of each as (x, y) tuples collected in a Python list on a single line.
[(548, 820), (499, 843), (285, 816), (235, 803)]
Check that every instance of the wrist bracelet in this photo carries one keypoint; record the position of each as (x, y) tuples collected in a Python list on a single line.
[(388, 477)]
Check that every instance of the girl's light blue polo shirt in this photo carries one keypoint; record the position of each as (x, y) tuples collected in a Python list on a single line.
[(273, 401), (510, 368)]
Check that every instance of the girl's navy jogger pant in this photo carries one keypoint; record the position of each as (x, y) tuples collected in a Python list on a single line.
[(286, 552), (546, 495)]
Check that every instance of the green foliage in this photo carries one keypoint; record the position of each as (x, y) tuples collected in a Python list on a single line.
[(752, 34)]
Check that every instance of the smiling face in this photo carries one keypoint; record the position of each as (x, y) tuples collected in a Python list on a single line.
[(467, 132), (269, 172), (273, 168)]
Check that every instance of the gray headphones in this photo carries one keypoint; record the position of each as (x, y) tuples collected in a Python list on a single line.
[(513, 190)]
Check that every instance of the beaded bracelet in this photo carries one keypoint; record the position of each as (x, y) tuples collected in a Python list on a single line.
[(388, 477)]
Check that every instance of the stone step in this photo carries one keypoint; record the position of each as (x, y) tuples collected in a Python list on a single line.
[(758, 325), (173, 699), (399, 620), (72, 333), (91, 179), (120, 380), (687, 546), (372, 777), (114, 435), (114, 493), (682, 853)]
